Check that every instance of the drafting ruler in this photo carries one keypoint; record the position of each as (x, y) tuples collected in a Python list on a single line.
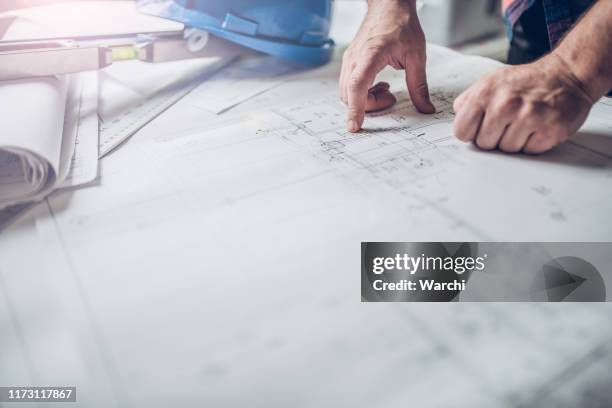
[(116, 130)]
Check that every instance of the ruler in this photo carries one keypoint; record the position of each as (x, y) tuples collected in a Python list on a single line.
[(116, 130)]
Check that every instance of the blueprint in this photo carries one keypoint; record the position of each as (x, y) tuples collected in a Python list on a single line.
[(401, 153), (248, 77), (218, 260), (134, 93)]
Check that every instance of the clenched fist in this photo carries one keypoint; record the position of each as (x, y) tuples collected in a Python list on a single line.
[(530, 108)]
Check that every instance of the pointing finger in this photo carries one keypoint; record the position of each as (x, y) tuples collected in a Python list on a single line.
[(358, 85)]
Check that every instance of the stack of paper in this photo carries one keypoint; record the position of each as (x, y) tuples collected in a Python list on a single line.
[(55, 129), (49, 136)]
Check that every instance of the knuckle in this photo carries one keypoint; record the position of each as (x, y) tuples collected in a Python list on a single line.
[(508, 103), (460, 132), (503, 94), (539, 144), (463, 136), (528, 111), (511, 146), (485, 143), (456, 105), (532, 111), (459, 101), (490, 79), (489, 91), (531, 150), (356, 83), (481, 91), (353, 112)]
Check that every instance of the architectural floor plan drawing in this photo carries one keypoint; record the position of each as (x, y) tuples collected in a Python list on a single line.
[(395, 141), (418, 156), (224, 247)]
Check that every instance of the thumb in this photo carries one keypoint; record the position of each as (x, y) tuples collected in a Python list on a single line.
[(416, 80)]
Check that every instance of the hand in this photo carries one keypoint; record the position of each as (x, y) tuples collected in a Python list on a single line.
[(530, 108), (389, 35)]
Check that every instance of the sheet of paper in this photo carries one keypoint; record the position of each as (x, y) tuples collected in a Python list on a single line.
[(238, 207), (70, 127), (134, 93), (45, 338), (78, 144), (84, 163), (187, 116), (241, 213), (250, 76), (31, 150), (44, 98)]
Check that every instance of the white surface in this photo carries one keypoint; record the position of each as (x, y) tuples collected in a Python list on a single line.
[(224, 260), (217, 263), (248, 77), (347, 16), (83, 19), (134, 93)]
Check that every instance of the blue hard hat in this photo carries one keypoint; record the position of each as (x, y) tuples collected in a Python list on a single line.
[(296, 30)]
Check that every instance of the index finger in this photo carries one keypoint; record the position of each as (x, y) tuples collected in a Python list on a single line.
[(360, 82)]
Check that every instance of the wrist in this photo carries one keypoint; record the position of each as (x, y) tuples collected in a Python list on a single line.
[(588, 73), (406, 5), (564, 70)]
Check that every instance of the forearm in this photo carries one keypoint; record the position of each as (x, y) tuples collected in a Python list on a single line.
[(587, 50), (408, 5)]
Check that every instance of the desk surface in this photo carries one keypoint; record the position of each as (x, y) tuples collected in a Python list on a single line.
[(217, 261)]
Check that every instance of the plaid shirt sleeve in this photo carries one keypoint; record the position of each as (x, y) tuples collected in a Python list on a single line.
[(560, 16)]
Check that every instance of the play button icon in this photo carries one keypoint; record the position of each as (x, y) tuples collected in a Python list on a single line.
[(568, 279)]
